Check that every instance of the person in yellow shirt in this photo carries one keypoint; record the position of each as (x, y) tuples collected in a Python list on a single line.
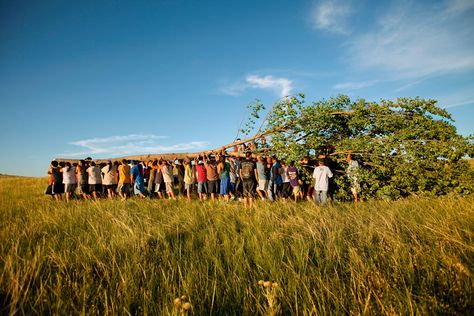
[(123, 187)]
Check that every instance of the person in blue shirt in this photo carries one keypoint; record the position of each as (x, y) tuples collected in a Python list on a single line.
[(137, 179)]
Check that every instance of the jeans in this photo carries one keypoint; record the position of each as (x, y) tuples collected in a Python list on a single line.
[(321, 197)]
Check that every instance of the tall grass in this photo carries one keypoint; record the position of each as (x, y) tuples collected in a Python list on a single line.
[(413, 256)]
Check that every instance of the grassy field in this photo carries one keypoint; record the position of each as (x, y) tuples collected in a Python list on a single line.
[(413, 256)]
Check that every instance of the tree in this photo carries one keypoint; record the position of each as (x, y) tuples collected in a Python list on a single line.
[(408, 146)]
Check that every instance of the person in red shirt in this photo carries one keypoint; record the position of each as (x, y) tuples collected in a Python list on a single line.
[(201, 178)]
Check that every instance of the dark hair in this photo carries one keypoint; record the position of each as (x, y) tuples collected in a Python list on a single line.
[(116, 163), (68, 166), (248, 154), (54, 163), (61, 163), (124, 161), (92, 163), (82, 162)]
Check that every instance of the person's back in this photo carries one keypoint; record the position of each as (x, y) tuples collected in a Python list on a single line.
[(321, 176), (211, 170), (124, 173), (109, 172), (95, 176), (167, 172), (137, 173), (69, 175)]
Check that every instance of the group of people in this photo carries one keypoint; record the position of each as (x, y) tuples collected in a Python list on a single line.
[(218, 176)]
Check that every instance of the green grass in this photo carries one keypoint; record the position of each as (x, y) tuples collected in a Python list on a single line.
[(413, 256)]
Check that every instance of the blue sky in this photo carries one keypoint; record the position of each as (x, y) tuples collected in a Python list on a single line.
[(112, 78)]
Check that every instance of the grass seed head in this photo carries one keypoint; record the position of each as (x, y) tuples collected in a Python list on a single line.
[(275, 285), (184, 298), (186, 306), (177, 301), (260, 282), (267, 284)]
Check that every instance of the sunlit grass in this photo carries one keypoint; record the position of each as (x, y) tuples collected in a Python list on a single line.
[(413, 256)]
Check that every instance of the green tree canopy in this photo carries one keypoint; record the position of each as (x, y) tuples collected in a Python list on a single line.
[(407, 146)]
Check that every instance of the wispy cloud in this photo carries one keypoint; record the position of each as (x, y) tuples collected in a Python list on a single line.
[(417, 42), (281, 86), (332, 16), (459, 6), (355, 85), (129, 145)]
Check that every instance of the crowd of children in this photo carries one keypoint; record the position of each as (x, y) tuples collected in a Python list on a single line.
[(205, 176)]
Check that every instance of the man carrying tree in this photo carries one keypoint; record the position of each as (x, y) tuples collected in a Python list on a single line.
[(321, 177), (248, 174)]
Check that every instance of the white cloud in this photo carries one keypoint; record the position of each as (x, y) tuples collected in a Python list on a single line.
[(413, 42), (281, 86), (355, 85), (131, 144), (332, 15)]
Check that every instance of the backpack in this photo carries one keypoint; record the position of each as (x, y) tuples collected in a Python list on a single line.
[(247, 169)]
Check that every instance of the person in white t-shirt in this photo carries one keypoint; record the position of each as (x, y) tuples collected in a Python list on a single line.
[(168, 178), (95, 180), (109, 179), (321, 177), (69, 180)]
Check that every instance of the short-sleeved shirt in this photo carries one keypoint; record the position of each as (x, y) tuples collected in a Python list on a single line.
[(211, 169), (124, 174), (202, 173), (292, 173), (248, 170), (69, 175), (321, 175), (110, 173), (95, 176)]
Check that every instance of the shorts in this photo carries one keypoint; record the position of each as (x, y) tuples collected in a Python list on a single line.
[(225, 186), (212, 186), (83, 188), (248, 186), (202, 187), (95, 188), (139, 187), (57, 188), (123, 187), (188, 186), (69, 187), (169, 187), (263, 185), (296, 189), (110, 186)]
